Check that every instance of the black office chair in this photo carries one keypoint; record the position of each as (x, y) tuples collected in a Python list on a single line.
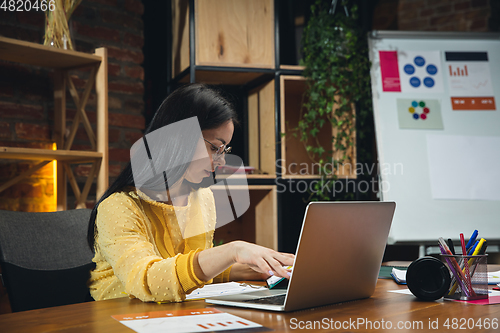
[(45, 258)]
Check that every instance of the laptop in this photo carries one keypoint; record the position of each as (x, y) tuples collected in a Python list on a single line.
[(338, 258)]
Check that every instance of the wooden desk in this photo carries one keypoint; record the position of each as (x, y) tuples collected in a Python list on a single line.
[(383, 305)]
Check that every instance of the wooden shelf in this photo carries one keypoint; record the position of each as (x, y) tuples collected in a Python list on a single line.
[(259, 176), (259, 224), (234, 33), (40, 55), (237, 76), (71, 156), (292, 67), (250, 176), (261, 128), (62, 61)]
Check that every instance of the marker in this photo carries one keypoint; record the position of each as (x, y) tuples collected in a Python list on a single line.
[(455, 268), (466, 264), (472, 248), (483, 248), (462, 242), (481, 252), (482, 241), (472, 239), (443, 243), (451, 246)]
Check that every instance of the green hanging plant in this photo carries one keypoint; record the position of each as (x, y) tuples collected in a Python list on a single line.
[(338, 71)]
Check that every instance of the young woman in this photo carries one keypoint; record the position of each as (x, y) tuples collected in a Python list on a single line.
[(154, 241)]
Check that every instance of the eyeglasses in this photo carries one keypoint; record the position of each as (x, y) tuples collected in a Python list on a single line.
[(220, 150)]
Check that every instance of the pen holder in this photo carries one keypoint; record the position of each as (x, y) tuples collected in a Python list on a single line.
[(467, 285)]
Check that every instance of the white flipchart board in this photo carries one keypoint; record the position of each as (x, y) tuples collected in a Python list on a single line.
[(444, 176)]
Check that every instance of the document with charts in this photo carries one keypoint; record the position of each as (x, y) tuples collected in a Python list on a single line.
[(469, 81), (187, 321)]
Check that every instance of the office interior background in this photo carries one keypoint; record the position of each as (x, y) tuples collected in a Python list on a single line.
[(137, 35)]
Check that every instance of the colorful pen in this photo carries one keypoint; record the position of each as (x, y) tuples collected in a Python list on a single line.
[(483, 248), (481, 252), (455, 267), (466, 264), (451, 246), (472, 239), (472, 248)]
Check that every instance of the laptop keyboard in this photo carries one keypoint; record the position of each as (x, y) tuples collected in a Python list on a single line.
[(274, 300)]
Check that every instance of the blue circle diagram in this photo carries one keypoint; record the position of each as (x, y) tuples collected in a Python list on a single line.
[(415, 116), (431, 69), (409, 69), (414, 104), (428, 82), (419, 61), (415, 82)]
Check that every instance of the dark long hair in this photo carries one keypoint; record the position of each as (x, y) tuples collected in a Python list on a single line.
[(192, 100)]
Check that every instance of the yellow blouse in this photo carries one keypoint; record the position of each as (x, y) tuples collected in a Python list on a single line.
[(145, 249)]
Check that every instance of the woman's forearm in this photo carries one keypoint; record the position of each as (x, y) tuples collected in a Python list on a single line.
[(211, 262)]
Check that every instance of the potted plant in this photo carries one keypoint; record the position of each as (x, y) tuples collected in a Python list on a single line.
[(338, 94)]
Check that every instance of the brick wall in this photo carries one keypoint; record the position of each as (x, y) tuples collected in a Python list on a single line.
[(435, 15), (449, 15), (26, 94)]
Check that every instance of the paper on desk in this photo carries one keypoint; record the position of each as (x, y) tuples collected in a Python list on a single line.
[(219, 289), (494, 277), (184, 321), (401, 291)]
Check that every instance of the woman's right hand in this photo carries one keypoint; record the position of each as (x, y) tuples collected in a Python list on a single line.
[(262, 259)]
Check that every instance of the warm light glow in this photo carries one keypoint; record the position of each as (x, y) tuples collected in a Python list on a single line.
[(54, 177)]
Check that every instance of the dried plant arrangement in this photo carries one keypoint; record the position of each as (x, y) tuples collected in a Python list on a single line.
[(57, 15)]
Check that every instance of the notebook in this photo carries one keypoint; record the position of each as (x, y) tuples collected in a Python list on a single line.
[(338, 258)]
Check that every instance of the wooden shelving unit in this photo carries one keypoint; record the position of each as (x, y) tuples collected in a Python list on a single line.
[(227, 42), (295, 158), (229, 33), (62, 61), (257, 224)]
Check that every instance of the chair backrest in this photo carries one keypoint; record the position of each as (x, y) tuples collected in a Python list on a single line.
[(45, 258)]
